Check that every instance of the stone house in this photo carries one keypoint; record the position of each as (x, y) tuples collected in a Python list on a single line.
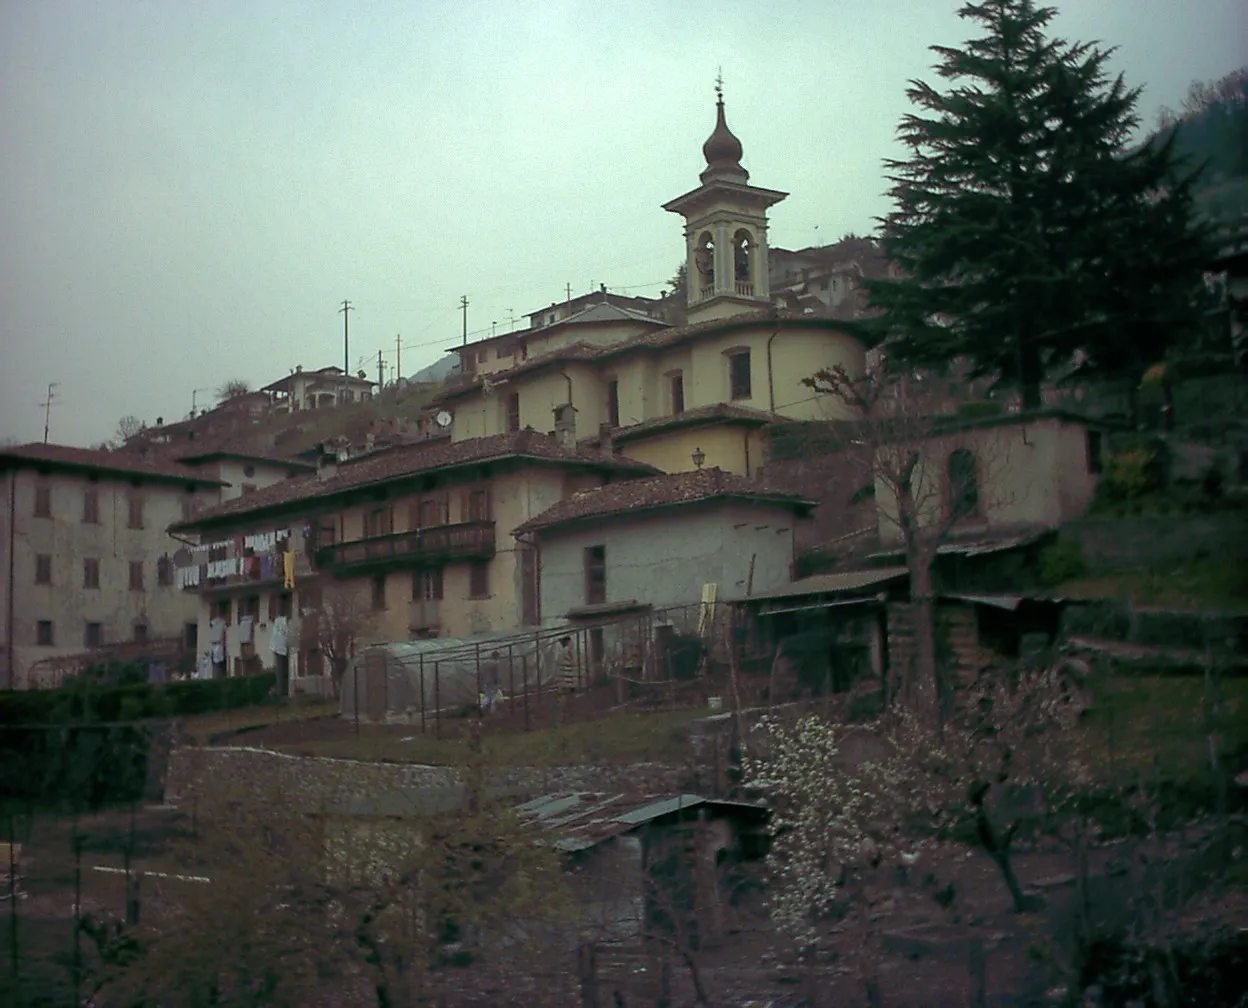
[(658, 542), (998, 474), (88, 561), (407, 535)]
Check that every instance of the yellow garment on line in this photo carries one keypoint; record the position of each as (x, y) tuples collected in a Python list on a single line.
[(288, 569)]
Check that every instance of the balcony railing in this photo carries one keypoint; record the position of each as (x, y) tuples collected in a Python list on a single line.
[(436, 544), (746, 289)]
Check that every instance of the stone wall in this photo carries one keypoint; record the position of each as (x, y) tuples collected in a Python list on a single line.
[(313, 782), (835, 480)]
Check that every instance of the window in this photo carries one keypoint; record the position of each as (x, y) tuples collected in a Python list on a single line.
[(249, 607), (426, 584), (613, 402), (739, 374), (249, 471), (595, 575), (477, 505), (91, 573), (136, 575), (597, 645), (326, 533), (93, 635), (963, 484), (379, 592), (140, 633), (1094, 451), (91, 506), (378, 522), (432, 512), (479, 579), (190, 636), (164, 572), (188, 508), (279, 605), (513, 412), (249, 488), (135, 512), (43, 568), (678, 393), (43, 633), (43, 501)]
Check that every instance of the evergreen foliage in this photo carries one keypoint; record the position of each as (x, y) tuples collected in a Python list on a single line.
[(1026, 231)]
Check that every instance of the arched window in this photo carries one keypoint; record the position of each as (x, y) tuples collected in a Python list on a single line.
[(963, 484), (704, 260), (742, 253)]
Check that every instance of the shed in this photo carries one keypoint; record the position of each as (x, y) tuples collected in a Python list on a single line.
[(666, 861)]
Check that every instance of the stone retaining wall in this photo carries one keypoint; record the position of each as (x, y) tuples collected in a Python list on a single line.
[(312, 782)]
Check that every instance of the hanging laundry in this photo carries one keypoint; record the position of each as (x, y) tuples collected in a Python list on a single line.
[(218, 653), (288, 569), (244, 629), (203, 670), (216, 630), (277, 635)]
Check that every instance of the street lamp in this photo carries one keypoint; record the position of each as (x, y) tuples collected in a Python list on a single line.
[(698, 456)]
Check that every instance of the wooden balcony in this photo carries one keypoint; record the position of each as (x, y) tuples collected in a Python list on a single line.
[(434, 545)]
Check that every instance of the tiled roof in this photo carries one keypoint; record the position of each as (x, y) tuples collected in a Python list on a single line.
[(712, 413), (409, 460), (658, 340), (243, 455), (125, 463), (660, 491)]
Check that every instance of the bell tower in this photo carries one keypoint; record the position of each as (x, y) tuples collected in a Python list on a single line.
[(725, 229)]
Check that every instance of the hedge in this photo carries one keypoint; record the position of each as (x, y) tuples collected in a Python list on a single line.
[(87, 702)]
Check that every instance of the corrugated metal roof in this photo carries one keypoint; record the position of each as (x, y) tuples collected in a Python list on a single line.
[(1008, 602), (586, 819), (831, 584)]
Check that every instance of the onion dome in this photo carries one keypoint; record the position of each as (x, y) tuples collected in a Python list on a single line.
[(722, 150)]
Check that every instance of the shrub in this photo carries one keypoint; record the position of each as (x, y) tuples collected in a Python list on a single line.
[(1062, 561), (978, 409)]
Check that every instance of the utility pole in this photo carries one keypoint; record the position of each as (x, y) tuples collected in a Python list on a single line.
[(567, 289), (47, 405), (463, 307), (345, 310), (398, 358), (511, 319), (381, 374)]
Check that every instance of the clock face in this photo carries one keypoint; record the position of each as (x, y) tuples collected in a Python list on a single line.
[(443, 419)]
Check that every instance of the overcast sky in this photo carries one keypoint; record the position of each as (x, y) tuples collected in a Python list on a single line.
[(189, 190)]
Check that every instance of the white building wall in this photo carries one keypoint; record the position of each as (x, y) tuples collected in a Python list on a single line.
[(664, 558)]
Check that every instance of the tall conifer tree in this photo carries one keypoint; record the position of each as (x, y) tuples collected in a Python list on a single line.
[(1025, 227)]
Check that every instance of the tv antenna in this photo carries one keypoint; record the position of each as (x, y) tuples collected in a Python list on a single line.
[(47, 405)]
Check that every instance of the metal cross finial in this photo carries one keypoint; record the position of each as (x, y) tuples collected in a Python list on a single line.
[(719, 84)]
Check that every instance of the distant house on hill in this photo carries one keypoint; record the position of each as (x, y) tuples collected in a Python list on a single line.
[(320, 389)]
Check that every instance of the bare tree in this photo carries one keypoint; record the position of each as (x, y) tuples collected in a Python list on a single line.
[(340, 622), (127, 427), (232, 389), (928, 480)]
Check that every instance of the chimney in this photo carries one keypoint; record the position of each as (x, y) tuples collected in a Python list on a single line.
[(606, 440), (565, 426), (326, 464)]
